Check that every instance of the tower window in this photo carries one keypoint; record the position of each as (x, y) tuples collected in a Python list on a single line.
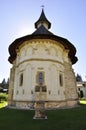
[(61, 80), (21, 79)]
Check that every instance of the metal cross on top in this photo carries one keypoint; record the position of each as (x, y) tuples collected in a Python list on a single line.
[(42, 6)]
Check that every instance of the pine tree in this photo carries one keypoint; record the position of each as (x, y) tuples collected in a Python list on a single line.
[(78, 78)]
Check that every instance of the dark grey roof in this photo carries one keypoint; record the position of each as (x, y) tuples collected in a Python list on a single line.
[(42, 19), (42, 33), (42, 30)]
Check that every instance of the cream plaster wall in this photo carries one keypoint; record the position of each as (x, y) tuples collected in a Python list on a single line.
[(50, 57), (39, 55), (40, 49)]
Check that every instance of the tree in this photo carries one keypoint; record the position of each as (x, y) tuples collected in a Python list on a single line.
[(7, 84), (3, 97), (78, 78), (4, 85)]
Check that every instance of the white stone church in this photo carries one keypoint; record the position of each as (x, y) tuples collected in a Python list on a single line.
[(42, 69)]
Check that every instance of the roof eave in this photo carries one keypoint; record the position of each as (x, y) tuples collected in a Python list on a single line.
[(64, 42)]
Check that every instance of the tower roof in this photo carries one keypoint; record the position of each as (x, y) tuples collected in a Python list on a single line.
[(42, 30), (42, 26), (42, 20)]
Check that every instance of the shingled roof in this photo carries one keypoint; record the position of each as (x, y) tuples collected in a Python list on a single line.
[(42, 30), (42, 19), (42, 33)]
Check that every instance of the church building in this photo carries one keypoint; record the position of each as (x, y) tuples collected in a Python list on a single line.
[(42, 69)]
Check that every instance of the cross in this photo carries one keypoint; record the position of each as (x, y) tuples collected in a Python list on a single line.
[(42, 6)]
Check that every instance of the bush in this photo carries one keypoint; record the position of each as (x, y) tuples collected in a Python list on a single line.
[(80, 94), (3, 97)]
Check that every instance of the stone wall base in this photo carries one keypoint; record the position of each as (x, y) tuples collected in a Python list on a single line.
[(48, 104), (61, 104)]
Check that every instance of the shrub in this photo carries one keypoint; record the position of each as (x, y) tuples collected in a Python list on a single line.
[(3, 97)]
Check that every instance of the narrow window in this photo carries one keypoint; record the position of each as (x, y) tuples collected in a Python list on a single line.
[(40, 78), (61, 80), (40, 82), (21, 79)]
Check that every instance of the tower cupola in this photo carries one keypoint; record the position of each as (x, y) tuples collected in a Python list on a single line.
[(42, 21)]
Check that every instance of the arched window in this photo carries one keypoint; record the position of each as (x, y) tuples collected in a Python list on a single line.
[(40, 78), (21, 79)]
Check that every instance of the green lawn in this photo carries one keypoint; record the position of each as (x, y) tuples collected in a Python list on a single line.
[(64, 119), (3, 100), (82, 102)]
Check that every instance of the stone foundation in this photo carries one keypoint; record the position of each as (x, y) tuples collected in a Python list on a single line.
[(48, 104)]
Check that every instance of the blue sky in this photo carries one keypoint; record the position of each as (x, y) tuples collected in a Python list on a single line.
[(68, 18)]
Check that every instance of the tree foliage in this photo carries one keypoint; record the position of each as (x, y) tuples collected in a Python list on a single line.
[(4, 85), (78, 78), (3, 97)]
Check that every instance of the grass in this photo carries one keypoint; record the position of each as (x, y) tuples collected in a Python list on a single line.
[(3, 99), (82, 102), (64, 119)]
